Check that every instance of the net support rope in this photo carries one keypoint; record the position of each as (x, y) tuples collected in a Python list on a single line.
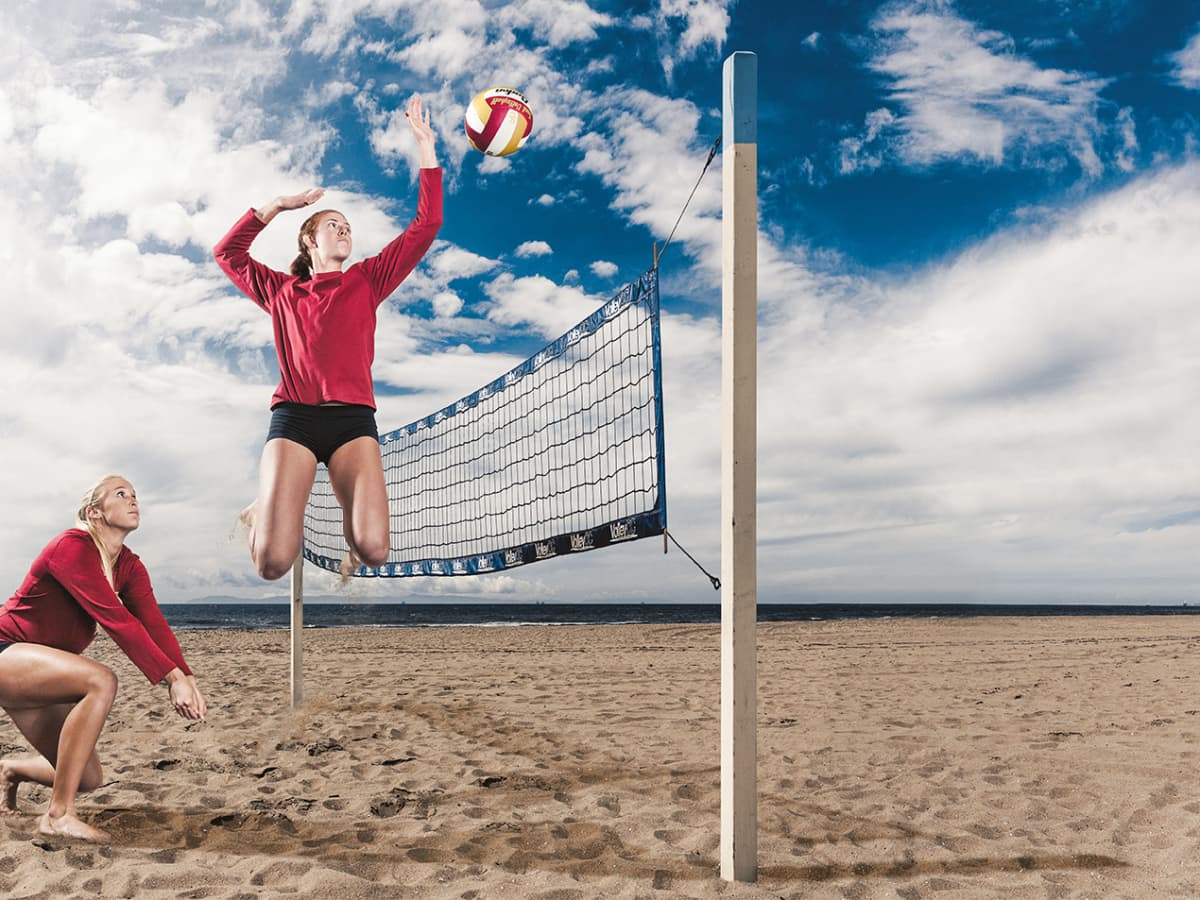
[(562, 454)]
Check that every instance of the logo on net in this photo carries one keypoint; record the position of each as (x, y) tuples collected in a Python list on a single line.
[(622, 531)]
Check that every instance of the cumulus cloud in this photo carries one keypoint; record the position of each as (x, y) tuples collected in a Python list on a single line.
[(447, 303), (604, 269), (537, 302), (533, 248), (1012, 411), (1008, 424)]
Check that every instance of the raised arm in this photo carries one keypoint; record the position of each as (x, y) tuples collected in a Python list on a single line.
[(392, 265), (258, 282), (418, 121)]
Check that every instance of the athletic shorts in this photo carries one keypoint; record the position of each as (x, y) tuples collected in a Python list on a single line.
[(322, 429)]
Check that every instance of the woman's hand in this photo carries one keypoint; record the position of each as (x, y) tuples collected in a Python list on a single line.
[(418, 121), (297, 201), (288, 201), (185, 695), (199, 696)]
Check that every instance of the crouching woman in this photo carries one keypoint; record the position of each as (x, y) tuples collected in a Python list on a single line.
[(58, 699)]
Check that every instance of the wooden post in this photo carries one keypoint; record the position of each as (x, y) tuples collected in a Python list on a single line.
[(297, 631), (739, 579)]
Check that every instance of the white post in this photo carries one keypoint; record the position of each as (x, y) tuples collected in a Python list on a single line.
[(739, 584), (297, 631)]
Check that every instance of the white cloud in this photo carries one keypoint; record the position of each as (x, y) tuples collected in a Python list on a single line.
[(328, 93), (538, 302), (1186, 63), (1016, 411), (650, 161), (1012, 423), (1127, 154), (447, 304), (686, 26), (533, 248), (557, 22), (604, 269), (447, 262), (866, 152), (963, 93)]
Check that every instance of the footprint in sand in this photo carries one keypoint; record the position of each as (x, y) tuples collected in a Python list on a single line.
[(327, 745), (386, 807)]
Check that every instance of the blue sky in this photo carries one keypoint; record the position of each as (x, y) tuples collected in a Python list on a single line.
[(978, 231)]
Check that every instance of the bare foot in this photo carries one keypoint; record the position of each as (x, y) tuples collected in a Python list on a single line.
[(8, 789), (67, 826)]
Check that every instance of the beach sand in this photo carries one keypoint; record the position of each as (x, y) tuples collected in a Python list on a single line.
[(990, 757)]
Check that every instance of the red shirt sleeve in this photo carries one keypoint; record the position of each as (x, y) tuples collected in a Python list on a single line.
[(392, 264), (133, 583), (258, 282), (75, 564)]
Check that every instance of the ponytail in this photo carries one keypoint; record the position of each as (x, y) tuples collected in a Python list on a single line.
[(302, 265), (94, 497)]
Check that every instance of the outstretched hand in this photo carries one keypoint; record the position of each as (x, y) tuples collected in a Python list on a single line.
[(418, 121), (268, 211), (298, 201), (187, 699)]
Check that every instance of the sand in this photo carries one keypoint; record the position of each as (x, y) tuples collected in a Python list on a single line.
[(1002, 757)]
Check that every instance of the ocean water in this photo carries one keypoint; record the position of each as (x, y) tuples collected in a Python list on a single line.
[(254, 616)]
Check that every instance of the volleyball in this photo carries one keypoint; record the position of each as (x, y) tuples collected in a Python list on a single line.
[(498, 121)]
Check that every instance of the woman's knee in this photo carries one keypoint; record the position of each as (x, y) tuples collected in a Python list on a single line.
[(272, 568), (377, 555), (102, 682), (373, 550), (273, 563)]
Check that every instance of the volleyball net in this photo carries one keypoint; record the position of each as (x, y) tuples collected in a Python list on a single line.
[(562, 454)]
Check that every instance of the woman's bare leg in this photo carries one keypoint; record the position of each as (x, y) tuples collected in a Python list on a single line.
[(356, 475), (14, 772), (276, 519), (59, 701)]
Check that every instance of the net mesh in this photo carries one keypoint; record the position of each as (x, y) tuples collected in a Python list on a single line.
[(562, 454)]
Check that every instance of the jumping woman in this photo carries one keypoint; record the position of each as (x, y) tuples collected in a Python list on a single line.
[(324, 408), (58, 699)]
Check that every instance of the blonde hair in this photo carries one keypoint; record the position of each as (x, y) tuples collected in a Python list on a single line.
[(93, 498)]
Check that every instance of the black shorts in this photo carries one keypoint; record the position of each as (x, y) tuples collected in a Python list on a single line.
[(4, 645), (322, 429)]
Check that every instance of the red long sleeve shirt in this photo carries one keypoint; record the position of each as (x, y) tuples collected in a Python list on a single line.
[(65, 594), (325, 326)]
